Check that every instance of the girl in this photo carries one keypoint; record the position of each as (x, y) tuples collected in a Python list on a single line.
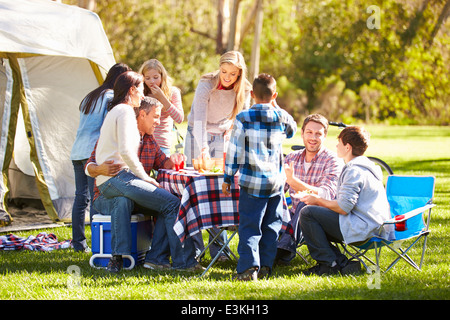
[(158, 84)]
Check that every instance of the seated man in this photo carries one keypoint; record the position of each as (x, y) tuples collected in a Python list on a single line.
[(165, 241), (356, 215), (314, 169)]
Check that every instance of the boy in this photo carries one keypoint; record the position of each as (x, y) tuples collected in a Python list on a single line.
[(255, 149)]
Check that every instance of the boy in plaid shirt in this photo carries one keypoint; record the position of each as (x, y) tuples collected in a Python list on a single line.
[(255, 149)]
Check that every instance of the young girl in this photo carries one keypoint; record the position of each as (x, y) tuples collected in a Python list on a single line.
[(158, 84), (93, 109)]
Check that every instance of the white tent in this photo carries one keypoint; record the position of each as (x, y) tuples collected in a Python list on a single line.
[(51, 56)]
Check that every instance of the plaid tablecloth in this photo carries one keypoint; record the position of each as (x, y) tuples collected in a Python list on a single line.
[(203, 205)]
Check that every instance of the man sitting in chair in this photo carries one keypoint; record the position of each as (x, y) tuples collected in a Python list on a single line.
[(314, 169), (356, 215)]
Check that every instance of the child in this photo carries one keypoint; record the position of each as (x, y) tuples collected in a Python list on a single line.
[(255, 149)]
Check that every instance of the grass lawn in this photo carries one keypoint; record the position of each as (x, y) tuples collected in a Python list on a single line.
[(408, 150)]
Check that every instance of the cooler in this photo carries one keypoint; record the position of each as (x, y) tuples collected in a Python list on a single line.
[(141, 235)]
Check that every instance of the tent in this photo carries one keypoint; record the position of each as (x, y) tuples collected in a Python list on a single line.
[(51, 56)]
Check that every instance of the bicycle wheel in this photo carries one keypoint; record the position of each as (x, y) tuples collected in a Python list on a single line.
[(385, 169)]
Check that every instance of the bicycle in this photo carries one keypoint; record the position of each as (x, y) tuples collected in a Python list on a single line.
[(385, 168)]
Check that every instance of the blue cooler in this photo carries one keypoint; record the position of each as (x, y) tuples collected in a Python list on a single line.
[(141, 235)]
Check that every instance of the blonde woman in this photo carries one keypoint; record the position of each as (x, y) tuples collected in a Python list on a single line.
[(158, 84), (219, 97)]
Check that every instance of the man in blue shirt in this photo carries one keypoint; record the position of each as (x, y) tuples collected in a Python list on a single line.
[(255, 149)]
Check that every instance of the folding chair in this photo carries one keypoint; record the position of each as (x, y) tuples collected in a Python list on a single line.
[(410, 198)]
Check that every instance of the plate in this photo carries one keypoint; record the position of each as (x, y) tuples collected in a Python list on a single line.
[(208, 173)]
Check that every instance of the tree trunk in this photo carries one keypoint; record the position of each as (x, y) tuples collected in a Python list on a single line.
[(254, 63), (442, 17)]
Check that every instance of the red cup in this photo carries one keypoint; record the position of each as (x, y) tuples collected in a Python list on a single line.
[(400, 226)]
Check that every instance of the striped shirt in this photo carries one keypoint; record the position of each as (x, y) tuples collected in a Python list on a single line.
[(163, 132), (255, 149), (323, 173)]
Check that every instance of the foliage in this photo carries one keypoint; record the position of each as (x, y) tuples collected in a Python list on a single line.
[(326, 55)]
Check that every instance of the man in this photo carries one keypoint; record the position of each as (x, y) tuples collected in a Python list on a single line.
[(165, 240), (315, 169)]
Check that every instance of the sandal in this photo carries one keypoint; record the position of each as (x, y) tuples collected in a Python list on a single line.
[(250, 274)]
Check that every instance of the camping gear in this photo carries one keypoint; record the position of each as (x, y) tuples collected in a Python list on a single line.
[(51, 56)]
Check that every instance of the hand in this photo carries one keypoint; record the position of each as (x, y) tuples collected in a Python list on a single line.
[(205, 154), (153, 182), (109, 168), (289, 170), (226, 188), (310, 199)]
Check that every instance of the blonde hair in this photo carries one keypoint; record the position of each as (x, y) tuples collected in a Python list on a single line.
[(166, 81), (241, 86)]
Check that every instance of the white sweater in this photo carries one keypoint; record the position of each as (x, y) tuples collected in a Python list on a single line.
[(119, 141)]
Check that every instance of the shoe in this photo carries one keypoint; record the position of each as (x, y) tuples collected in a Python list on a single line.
[(222, 259), (115, 264), (84, 249), (153, 266), (352, 267), (321, 269), (198, 267), (264, 272), (250, 274), (280, 258)]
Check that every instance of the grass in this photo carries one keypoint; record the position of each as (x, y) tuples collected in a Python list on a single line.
[(409, 150)]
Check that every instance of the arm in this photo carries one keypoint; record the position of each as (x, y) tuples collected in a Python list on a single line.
[(107, 168), (200, 111), (296, 183), (173, 106), (235, 155), (318, 201)]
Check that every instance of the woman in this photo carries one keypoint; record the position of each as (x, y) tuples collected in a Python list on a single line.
[(93, 109), (219, 97), (119, 141), (158, 84), (356, 215)]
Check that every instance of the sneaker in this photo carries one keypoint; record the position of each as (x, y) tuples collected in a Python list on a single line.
[(352, 267), (222, 259), (250, 274), (153, 266), (264, 272), (115, 264), (198, 267), (321, 269)]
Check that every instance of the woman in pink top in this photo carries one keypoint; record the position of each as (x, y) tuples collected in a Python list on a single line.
[(158, 84)]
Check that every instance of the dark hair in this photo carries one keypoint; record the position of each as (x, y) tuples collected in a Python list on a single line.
[(122, 86), (320, 119), (357, 137), (87, 105), (264, 86)]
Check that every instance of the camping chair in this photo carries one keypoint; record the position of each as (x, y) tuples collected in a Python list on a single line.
[(410, 197)]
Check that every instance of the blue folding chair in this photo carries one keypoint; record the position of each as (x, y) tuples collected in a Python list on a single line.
[(410, 198)]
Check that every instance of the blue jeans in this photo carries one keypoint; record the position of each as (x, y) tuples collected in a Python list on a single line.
[(163, 203), (320, 226), (260, 221), (84, 191), (287, 244)]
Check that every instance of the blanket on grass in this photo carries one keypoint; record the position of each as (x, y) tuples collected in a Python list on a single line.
[(41, 242)]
